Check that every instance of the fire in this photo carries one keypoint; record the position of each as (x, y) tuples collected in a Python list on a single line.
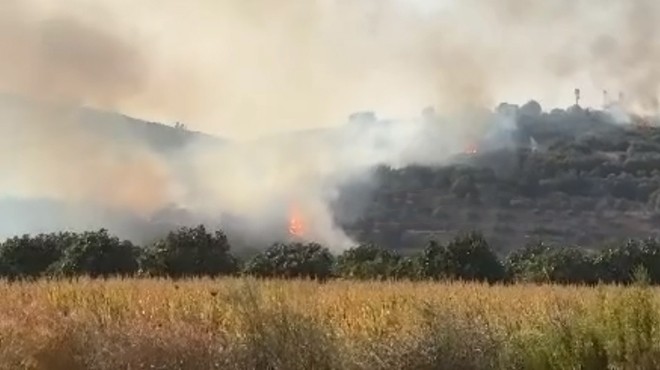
[(471, 149), (296, 225)]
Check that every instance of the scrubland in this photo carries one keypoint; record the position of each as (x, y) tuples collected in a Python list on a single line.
[(273, 324)]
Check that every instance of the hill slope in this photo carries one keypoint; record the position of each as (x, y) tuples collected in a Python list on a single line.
[(586, 181), (570, 177)]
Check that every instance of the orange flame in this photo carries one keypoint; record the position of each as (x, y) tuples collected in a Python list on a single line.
[(296, 226)]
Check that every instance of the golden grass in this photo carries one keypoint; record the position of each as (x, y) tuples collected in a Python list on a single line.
[(249, 324)]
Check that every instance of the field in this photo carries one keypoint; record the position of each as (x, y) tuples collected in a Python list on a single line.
[(250, 324)]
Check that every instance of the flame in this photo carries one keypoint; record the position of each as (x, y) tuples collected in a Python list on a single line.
[(471, 149), (296, 225)]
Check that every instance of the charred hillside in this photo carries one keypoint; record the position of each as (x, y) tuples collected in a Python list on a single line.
[(572, 177)]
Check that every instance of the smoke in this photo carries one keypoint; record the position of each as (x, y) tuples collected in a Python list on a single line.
[(252, 70)]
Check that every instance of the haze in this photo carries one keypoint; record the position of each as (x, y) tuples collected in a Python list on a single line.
[(245, 69)]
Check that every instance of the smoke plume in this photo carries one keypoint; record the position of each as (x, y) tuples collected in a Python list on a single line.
[(254, 70)]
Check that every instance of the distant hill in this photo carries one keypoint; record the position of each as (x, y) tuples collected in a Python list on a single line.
[(157, 136), (587, 180), (45, 215), (572, 176)]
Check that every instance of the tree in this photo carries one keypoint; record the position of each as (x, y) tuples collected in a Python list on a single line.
[(618, 264), (433, 261), (98, 254), (467, 257), (471, 258), (295, 260), (545, 264), (407, 268), (368, 261), (29, 256), (532, 108), (191, 252)]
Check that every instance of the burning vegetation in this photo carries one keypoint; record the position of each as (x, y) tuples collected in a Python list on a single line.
[(296, 224)]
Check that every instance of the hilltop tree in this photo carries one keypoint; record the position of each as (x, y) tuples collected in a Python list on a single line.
[(532, 109)]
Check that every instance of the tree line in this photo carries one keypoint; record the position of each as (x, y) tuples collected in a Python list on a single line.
[(196, 252)]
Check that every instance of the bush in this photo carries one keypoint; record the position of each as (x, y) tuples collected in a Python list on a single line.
[(191, 252), (295, 260)]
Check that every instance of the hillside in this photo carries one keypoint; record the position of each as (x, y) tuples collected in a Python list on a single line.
[(17, 110), (587, 181), (566, 176), (25, 121)]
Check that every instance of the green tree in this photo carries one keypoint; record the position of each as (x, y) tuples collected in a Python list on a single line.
[(434, 261), (407, 268), (190, 252), (467, 257), (295, 260), (545, 264), (31, 256), (368, 261), (619, 264), (98, 254), (471, 258)]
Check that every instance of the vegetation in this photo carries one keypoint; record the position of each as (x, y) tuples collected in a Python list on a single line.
[(292, 261), (190, 252), (248, 324), (196, 252), (569, 177), (540, 289)]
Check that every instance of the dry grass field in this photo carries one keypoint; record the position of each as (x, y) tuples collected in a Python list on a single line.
[(249, 324)]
